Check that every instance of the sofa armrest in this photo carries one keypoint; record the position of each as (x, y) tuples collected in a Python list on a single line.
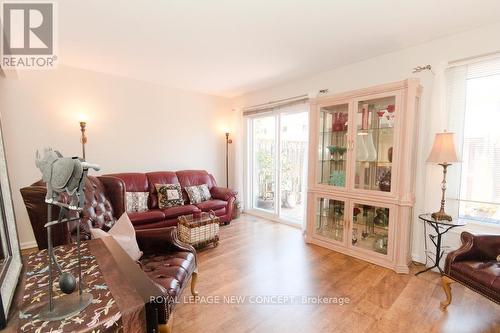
[(475, 247), (115, 191), (161, 240), (223, 193)]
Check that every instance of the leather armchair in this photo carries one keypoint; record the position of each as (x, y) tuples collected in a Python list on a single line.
[(474, 265), (97, 213), (169, 263)]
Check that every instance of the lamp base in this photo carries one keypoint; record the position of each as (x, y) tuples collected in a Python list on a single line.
[(441, 215)]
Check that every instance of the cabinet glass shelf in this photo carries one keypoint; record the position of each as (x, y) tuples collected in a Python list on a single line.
[(370, 228), (332, 145), (338, 161), (330, 220), (374, 144)]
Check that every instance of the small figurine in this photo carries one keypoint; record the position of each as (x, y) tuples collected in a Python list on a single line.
[(380, 219)]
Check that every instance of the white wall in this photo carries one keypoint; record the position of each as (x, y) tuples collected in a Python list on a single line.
[(132, 126), (394, 67)]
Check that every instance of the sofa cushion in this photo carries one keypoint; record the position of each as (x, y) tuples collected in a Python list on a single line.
[(169, 195), (204, 192), (481, 272), (170, 271), (174, 212), (134, 181), (213, 204), (159, 177), (194, 194), (195, 177), (149, 216), (136, 201)]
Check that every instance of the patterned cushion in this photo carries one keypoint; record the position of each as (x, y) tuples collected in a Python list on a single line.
[(136, 201), (205, 192), (169, 195), (198, 193)]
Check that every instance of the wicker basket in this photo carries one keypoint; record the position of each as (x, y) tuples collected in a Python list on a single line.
[(199, 231)]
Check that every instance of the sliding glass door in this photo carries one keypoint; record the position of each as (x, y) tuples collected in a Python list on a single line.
[(277, 146), (293, 165), (264, 163)]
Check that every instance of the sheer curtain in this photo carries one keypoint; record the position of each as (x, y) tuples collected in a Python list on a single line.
[(456, 90), (473, 108)]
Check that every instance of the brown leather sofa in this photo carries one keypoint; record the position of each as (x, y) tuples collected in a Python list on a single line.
[(222, 202), (474, 265), (168, 262), (105, 201)]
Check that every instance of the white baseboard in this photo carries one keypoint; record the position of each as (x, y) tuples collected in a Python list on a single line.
[(417, 258), (28, 245)]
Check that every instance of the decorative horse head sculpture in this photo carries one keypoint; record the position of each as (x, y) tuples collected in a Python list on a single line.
[(62, 174)]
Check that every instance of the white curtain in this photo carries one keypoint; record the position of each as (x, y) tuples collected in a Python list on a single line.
[(239, 155), (434, 120), (456, 78), (447, 111)]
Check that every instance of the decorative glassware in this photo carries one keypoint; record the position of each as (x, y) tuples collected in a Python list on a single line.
[(374, 223), (374, 135), (341, 151), (330, 219), (332, 142), (370, 148)]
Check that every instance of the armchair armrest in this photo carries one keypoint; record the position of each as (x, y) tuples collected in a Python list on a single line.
[(115, 190), (475, 247), (161, 240), (34, 200), (222, 193)]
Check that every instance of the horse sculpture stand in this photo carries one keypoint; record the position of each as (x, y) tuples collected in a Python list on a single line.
[(72, 303)]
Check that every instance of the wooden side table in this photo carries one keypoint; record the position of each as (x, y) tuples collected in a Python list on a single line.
[(440, 227), (122, 291)]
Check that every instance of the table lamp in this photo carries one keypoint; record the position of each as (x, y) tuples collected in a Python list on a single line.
[(443, 152)]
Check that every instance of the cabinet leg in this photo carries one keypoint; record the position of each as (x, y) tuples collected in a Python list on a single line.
[(446, 282), (194, 279)]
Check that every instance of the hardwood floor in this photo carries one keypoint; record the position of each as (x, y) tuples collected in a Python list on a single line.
[(260, 258)]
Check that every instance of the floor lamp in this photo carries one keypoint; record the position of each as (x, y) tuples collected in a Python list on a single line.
[(228, 141), (83, 138)]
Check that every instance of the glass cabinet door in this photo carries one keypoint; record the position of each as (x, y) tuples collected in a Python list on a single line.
[(330, 219), (374, 143), (332, 150), (370, 228)]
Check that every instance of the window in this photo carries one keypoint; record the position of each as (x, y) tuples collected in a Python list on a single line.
[(477, 88)]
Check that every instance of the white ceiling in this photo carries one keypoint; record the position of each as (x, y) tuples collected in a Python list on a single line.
[(231, 47)]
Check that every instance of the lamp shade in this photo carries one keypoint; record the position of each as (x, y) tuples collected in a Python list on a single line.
[(443, 149)]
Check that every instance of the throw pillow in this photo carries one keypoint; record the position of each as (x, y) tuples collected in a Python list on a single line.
[(124, 233), (169, 195), (205, 192), (194, 194), (198, 193), (136, 201)]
